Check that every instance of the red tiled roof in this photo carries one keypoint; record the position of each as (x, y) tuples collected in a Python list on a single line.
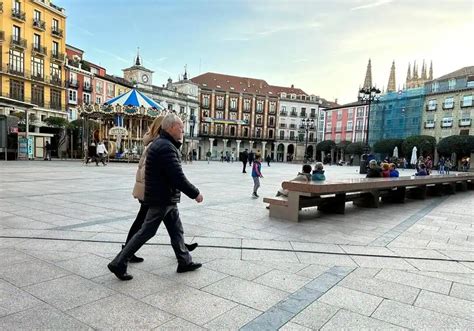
[(288, 90), (236, 84)]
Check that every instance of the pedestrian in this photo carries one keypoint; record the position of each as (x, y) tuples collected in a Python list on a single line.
[(164, 182), (374, 170), (244, 158), (232, 157), (318, 172), (101, 152), (429, 164), (222, 156), (91, 153), (422, 170), (303, 176), (251, 157), (268, 159), (48, 148), (256, 174), (393, 170), (139, 188), (447, 166), (351, 162), (385, 169), (441, 164), (208, 156)]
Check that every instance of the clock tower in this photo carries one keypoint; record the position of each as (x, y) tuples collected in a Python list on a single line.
[(138, 74)]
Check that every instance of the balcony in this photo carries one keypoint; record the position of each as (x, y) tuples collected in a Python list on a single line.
[(465, 122), (283, 113), (312, 115), (448, 105), (39, 24), (38, 77), (292, 126), (446, 124), (348, 128), (56, 32), (294, 114), (429, 125), (55, 80), (247, 110), (18, 15), (259, 123), (467, 104), (271, 125), (57, 57), (18, 42), (73, 83), (259, 110), (87, 88), (302, 114), (271, 110), (38, 101), (431, 107), (282, 126), (15, 71), (72, 102), (39, 50)]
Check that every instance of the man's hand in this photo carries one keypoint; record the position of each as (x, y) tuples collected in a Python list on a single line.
[(199, 198)]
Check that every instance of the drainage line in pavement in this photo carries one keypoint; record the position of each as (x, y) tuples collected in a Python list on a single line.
[(253, 249)]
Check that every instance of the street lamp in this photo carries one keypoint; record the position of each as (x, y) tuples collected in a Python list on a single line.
[(368, 96), (306, 125)]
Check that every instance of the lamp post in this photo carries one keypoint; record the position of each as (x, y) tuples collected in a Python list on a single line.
[(306, 125), (368, 96)]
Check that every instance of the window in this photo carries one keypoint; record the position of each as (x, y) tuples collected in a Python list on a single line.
[(432, 104), (293, 111), (359, 137), (282, 135), (205, 128), (303, 112), (359, 125), (110, 90), (55, 71), (349, 126), (99, 87), (258, 132), (292, 135), (220, 114), (272, 107), (435, 87), (37, 67), (313, 112), (338, 126), (16, 61), (447, 122), (220, 102), (247, 118), (271, 121), (470, 81), (260, 106), (16, 6), (452, 84), (219, 129), (17, 90), (98, 100), (246, 132), (466, 101), (283, 110), (348, 137), (448, 103), (283, 95), (55, 49), (16, 33), (72, 78), (87, 83), (73, 96), (205, 100), (247, 105), (338, 137), (233, 103), (350, 113), (36, 15), (232, 130), (339, 115), (233, 116), (328, 127), (55, 25), (55, 99), (37, 95), (270, 134), (360, 111), (87, 98), (259, 120), (170, 106), (465, 115)]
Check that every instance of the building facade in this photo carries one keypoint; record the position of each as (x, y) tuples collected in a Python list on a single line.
[(347, 123), (236, 113), (449, 108), (32, 47)]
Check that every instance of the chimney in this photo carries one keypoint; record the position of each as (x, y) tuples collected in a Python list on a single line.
[(292, 86), (261, 85)]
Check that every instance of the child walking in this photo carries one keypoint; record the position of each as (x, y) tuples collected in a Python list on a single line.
[(256, 174)]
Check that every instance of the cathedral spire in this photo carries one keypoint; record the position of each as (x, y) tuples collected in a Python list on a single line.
[(415, 71), (423, 71), (392, 87), (431, 71), (138, 61), (368, 76), (408, 72)]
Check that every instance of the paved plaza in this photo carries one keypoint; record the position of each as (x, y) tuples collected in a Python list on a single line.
[(407, 266)]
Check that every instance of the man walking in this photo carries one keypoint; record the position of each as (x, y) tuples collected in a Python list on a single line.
[(244, 159), (164, 182), (48, 148), (101, 152)]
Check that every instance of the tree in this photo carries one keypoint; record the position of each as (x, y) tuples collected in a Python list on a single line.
[(461, 145), (326, 146), (356, 148), (61, 124), (386, 146), (425, 145)]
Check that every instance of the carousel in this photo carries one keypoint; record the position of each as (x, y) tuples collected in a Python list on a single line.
[(121, 123)]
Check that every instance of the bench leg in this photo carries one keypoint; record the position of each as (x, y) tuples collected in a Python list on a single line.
[(461, 186), (395, 196), (449, 188), (289, 212), (470, 184), (368, 200), (435, 190), (335, 205), (418, 193)]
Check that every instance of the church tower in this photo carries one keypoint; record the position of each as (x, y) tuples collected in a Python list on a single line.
[(392, 87), (430, 77), (138, 74), (368, 76)]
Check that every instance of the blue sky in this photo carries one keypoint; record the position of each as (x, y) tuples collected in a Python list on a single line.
[(320, 46)]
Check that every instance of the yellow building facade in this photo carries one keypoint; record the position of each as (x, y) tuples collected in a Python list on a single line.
[(32, 73)]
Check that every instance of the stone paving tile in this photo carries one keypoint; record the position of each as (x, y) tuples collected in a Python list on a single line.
[(299, 300), (418, 318), (316, 247), (415, 280), (382, 288), (286, 266), (462, 291), (179, 324), (313, 270), (68, 292), (443, 266), (459, 278), (54, 256), (294, 327), (43, 317), (382, 262), (13, 256), (13, 300), (411, 252), (182, 301), (271, 244), (282, 280), (326, 259), (315, 315), (203, 277), (352, 300), (204, 254), (120, 312), (446, 305), (272, 319), (233, 319), (347, 320), (253, 255), (34, 272), (242, 269), (324, 282), (247, 293), (226, 242), (367, 250), (87, 266)]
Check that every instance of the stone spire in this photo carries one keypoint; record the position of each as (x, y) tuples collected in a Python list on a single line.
[(423, 71), (185, 76), (415, 71), (408, 73), (368, 76), (138, 60), (431, 71), (392, 87)]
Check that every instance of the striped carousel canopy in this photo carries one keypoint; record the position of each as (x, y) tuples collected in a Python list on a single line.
[(133, 98)]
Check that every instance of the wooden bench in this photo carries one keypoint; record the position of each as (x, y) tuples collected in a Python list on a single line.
[(331, 195)]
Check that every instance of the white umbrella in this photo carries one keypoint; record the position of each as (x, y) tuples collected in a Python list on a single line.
[(414, 158), (395, 152)]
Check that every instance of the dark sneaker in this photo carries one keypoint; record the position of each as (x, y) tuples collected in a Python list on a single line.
[(191, 247), (255, 194), (189, 267), (134, 258), (122, 275)]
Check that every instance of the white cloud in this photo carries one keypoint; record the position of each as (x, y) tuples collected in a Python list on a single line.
[(115, 56), (371, 5)]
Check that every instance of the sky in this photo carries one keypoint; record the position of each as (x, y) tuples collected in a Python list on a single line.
[(319, 46)]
